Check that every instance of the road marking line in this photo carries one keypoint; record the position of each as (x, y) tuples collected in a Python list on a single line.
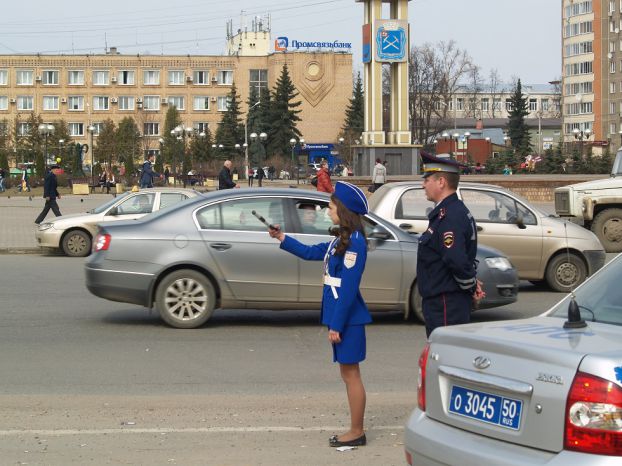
[(197, 430)]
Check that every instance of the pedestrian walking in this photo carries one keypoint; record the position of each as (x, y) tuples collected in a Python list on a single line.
[(260, 176), (2, 176), (50, 193), (446, 266), (167, 174), (271, 171), (343, 310), (379, 175), (25, 184), (225, 180), (251, 177), (147, 174), (323, 178)]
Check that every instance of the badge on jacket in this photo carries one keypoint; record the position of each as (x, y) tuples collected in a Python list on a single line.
[(448, 239), (349, 260)]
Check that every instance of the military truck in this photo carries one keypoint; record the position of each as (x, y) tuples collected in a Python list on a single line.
[(597, 205)]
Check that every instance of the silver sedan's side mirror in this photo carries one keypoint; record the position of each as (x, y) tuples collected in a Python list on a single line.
[(113, 211), (380, 232)]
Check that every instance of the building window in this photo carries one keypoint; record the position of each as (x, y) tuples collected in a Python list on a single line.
[(533, 105), (201, 77), (23, 129), (50, 102), (620, 108), (612, 67), (200, 102), (612, 107), (225, 77), (258, 80), (612, 128), (545, 105), (4, 77), (484, 104), (101, 102), (612, 88), (50, 77), (75, 102), (4, 102), (223, 103), (126, 77), (76, 77), (76, 129), (151, 129), (496, 104), (24, 77), (177, 101), (459, 104), (151, 103), (126, 102), (101, 78), (151, 77), (508, 105), (176, 78), (25, 102), (201, 127)]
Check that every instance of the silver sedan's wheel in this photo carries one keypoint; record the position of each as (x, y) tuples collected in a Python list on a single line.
[(416, 304), (77, 243), (185, 299)]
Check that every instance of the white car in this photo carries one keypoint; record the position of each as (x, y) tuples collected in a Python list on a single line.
[(540, 391), (73, 234)]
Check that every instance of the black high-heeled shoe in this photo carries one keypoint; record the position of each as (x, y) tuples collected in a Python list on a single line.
[(357, 442)]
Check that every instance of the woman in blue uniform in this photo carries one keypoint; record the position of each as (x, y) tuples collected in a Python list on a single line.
[(343, 310)]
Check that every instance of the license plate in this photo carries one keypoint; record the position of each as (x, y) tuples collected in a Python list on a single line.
[(486, 407)]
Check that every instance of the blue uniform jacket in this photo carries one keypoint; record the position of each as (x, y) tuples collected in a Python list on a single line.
[(50, 185), (447, 249), (147, 175), (348, 308)]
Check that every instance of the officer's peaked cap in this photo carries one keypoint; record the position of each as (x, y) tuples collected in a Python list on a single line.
[(351, 197), (439, 163)]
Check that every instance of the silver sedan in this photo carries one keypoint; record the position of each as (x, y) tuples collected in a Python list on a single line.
[(212, 252), (540, 391)]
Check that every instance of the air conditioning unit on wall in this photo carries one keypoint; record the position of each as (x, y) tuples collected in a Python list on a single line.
[(113, 100), (63, 100), (113, 79), (163, 101), (214, 99), (189, 79), (13, 101)]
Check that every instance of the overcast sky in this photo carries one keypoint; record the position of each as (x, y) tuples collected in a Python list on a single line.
[(518, 38)]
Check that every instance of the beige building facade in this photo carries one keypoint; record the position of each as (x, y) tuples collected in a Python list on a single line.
[(85, 90)]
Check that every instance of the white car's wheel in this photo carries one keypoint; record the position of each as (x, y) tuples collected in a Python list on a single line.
[(565, 272), (185, 299), (76, 243)]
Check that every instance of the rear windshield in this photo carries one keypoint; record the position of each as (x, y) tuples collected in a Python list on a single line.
[(600, 298)]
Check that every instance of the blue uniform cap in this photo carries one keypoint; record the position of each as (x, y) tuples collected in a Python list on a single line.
[(439, 163), (351, 197)]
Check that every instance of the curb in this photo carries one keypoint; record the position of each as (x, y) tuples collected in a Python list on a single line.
[(19, 250)]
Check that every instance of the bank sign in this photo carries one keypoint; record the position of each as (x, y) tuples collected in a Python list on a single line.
[(283, 44)]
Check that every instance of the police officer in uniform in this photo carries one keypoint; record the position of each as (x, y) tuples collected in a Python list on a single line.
[(343, 310), (446, 265)]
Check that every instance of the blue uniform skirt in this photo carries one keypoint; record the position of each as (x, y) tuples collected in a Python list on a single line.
[(353, 346)]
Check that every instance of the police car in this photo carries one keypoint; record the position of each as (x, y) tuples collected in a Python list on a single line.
[(540, 391)]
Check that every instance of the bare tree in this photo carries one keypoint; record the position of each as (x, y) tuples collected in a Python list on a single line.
[(474, 87), (495, 89)]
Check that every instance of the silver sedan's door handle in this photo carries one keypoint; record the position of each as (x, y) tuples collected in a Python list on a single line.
[(220, 246), (405, 226), (480, 228)]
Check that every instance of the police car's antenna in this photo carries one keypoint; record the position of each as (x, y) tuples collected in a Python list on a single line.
[(574, 313)]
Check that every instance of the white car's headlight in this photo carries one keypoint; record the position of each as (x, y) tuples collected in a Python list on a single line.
[(500, 263), (45, 226)]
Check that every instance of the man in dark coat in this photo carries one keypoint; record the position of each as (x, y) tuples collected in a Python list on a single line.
[(147, 175), (50, 193), (225, 180)]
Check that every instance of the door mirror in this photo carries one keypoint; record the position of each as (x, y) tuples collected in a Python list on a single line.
[(380, 232), (520, 221)]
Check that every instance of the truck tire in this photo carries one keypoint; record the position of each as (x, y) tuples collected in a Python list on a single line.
[(607, 226), (565, 272)]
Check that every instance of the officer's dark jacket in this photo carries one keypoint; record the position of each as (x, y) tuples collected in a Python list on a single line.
[(224, 179), (147, 175), (50, 186), (342, 305), (447, 249)]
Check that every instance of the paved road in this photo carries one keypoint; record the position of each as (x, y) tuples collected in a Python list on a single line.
[(88, 381)]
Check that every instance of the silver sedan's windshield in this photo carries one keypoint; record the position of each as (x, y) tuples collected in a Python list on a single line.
[(600, 298)]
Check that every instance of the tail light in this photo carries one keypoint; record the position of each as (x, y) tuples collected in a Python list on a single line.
[(594, 416), (423, 362), (102, 242)]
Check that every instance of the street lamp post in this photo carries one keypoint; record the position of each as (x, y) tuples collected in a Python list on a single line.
[(61, 143), (246, 137), (45, 130), (293, 143), (263, 137), (181, 133), (91, 130), (466, 137), (581, 135), (455, 138)]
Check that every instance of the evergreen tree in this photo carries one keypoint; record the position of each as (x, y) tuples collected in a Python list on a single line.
[(201, 148), (32, 142), (283, 115), (604, 163), (171, 147), (261, 123), (4, 147), (61, 131), (355, 112), (106, 150), (517, 129), (230, 130), (128, 144)]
